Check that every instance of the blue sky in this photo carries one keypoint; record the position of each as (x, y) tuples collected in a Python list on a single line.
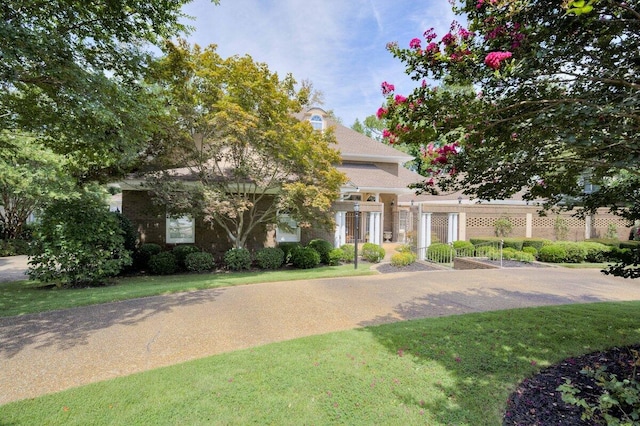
[(339, 45)]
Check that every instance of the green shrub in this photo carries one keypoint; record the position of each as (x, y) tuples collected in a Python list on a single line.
[(372, 252), (142, 255), (349, 253), (440, 253), (78, 242), (513, 254), (270, 258), (605, 241), (199, 262), (530, 250), (576, 253), (323, 248), (536, 243), (515, 243), (464, 248), (630, 244), (305, 258), (486, 250), (129, 232), (503, 227), (13, 247), (181, 251), (163, 263), (335, 256), (403, 258), (596, 252), (552, 253), (287, 248), (237, 259)]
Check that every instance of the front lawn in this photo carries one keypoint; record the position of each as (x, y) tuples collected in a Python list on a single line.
[(23, 297), (441, 371)]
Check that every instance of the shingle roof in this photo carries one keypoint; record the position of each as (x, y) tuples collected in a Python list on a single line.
[(369, 177)]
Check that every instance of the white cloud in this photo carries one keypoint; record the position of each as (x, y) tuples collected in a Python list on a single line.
[(338, 45)]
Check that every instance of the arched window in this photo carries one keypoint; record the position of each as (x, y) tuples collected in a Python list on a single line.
[(316, 122)]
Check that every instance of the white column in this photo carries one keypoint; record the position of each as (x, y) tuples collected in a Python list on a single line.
[(529, 225), (462, 228), (377, 228), (424, 235), (452, 231), (340, 234)]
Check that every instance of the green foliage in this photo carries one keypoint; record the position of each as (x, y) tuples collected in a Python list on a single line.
[(335, 256), (181, 251), (464, 248), (74, 72), (200, 261), (440, 253), (487, 250), (612, 232), (143, 254), (596, 252), (244, 118), (536, 243), (531, 250), (512, 254), (323, 248), (13, 247), (349, 251), (270, 258), (31, 176), (619, 402), (560, 228), (305, 258), (237, 259), (537, 98), (403, 258), (129, 232), (552, 253), (576, 252), (164, 263), (606, 242), (78, 242), (372, 252), (503, 227), (288, 248)]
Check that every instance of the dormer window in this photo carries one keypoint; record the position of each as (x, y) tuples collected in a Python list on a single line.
[(316, 122)]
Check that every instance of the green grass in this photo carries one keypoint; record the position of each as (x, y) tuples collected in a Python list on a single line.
[(23, 297), (443, 371)]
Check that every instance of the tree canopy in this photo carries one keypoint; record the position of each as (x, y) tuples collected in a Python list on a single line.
[(535, 96), (237, 137), (72, 70)]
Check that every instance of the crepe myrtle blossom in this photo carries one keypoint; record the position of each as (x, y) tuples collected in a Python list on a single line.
[(399, 99), (387, 88), (382, 112), (415, 43), (494, 59)]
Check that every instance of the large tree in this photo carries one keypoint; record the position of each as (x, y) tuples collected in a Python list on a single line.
[(554, 108), (72, 70), (31, 176), (237, 138)]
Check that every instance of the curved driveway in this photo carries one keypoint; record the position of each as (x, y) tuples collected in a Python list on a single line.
[(48, 352)]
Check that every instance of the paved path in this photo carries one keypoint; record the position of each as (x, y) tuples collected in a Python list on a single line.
[(48, 352), (13, 268)]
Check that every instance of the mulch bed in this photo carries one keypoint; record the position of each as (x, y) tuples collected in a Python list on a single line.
[(537, 401)]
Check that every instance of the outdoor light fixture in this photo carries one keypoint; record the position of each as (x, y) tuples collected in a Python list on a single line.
[(356, 210), (459, 199)]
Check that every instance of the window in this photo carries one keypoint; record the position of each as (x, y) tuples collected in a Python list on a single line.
[(181, 229), (290, 233), (316, 122)]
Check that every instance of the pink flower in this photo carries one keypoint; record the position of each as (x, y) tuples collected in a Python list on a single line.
[(386, 133), (494, 59), (432, 48), (400, 99), (381, 112), (415, 43), (465, 33), (448, 39), (430, 35), (387, 88)]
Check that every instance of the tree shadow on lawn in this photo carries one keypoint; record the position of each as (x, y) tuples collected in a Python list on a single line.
[(486, 356), (71, 327)]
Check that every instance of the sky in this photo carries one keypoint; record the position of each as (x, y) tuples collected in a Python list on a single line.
[(338, 45)]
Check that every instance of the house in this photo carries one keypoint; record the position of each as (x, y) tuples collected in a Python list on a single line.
[(376, 179)]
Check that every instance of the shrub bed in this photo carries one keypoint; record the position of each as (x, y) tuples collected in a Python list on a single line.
[(163, 263), (372, 252), (323, 248), (403, 258), (440, 253), (199, 262), (237, 259), (270, 258), (349, 253), (305, 258)]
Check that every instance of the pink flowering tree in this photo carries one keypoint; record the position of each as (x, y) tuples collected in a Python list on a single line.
[(534, 96)]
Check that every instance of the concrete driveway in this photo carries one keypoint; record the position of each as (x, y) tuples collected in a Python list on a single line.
[(49, 352)]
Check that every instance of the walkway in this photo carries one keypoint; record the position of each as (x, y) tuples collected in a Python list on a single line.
[(49, 352)]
